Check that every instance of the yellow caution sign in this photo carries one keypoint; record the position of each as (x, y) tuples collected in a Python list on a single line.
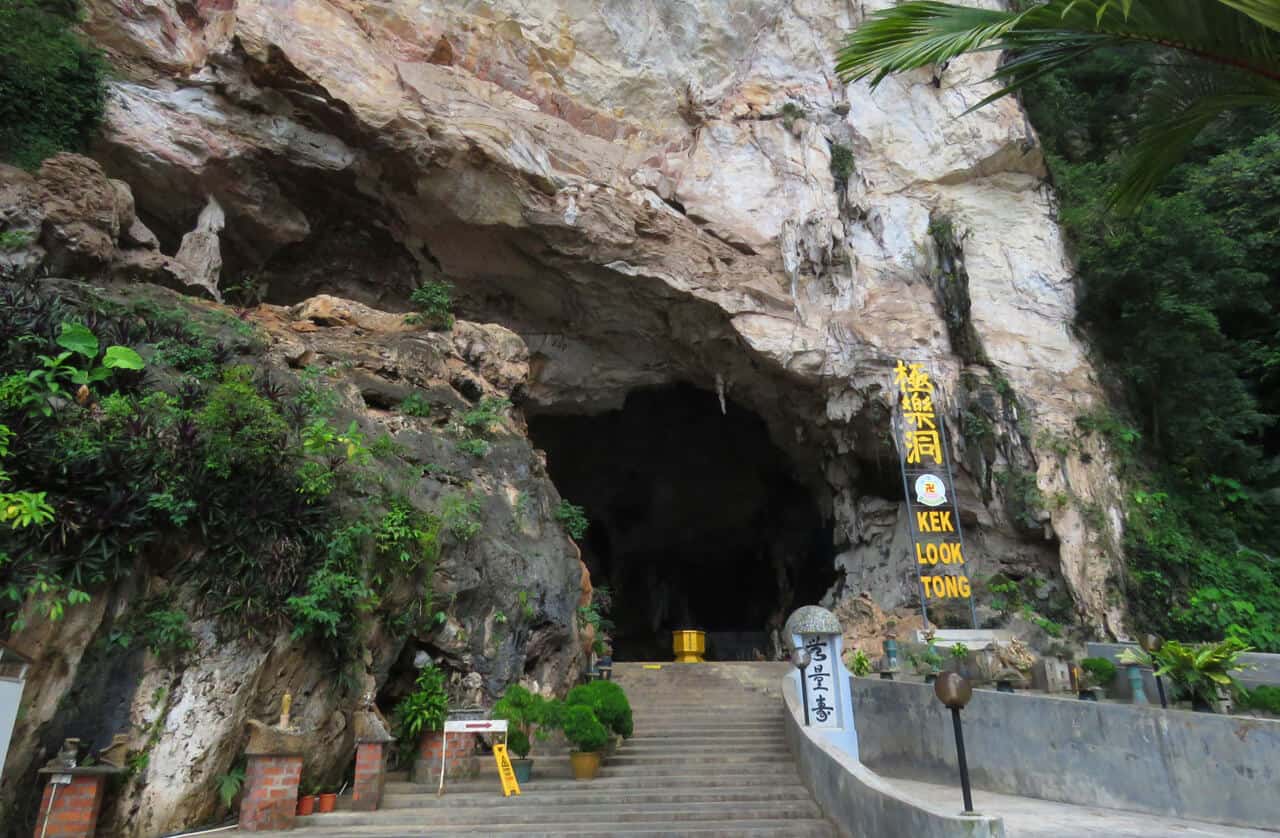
[(508, 775)]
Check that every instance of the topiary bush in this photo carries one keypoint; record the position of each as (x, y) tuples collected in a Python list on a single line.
[(608, 702), (1102, 670), (583, 729), (51, 82), (529, 715)]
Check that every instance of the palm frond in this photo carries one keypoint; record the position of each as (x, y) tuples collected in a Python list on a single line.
[(1266, 12), (1236, 40), (1184, 100)]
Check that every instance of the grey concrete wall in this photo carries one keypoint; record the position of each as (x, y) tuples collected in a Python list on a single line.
[(1266, 669), (1224, 769), (860, 803)]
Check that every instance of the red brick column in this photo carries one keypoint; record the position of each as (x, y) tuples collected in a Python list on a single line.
[(459, 759), (71, 810), (270, 792), (371, 773)]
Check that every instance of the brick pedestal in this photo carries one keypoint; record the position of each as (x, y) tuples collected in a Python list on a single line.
[(371, 774), (270, 792), (459, 760), (71, 810)]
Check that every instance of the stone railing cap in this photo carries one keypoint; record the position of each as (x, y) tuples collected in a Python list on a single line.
[(82, 770), (812, 619), (269, 740)]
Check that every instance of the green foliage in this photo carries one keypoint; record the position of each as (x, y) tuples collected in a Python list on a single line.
[(461, 516), (1182, 302), (425, 708), (531, 717), (480, 418), (1207, 57), (1262, 697), (1101, 670), (478, 448), (334, 594), (583, 730), (11, 240), (435, 302), (165, 631), (574, 518), (860, 664), (408, 536), (1022, 496), (841, 164), (415, 405), (243, 430), (229, 785), (52, 90), (959, 651), (1199, 672), (608, 701), (790, 113)]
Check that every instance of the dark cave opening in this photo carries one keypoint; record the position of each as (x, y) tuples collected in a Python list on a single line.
[(697, 520)]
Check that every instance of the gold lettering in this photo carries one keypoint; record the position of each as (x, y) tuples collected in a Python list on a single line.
[(950, 586), (922, 444), (944, 522), (963, 585), (911, 378), (920, 556)]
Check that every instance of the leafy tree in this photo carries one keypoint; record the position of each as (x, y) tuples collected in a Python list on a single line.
[(51, 82), (1208, 57)]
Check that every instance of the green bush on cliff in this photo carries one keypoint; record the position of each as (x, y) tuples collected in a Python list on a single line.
[(51, 83)]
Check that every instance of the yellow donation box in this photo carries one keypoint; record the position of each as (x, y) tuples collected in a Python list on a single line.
[(689, 646), (508, 775)]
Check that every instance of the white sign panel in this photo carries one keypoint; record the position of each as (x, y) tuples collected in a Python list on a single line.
[(477, 726), (820, 690)]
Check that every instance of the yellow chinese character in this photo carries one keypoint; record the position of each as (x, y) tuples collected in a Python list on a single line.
[(922, 444), (911, 379), (920, 420)]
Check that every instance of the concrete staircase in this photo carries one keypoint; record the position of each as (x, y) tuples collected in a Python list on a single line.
[(708, 758)]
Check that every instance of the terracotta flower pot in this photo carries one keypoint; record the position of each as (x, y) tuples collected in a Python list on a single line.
[(328, 802), (586, 764), (306, 804)]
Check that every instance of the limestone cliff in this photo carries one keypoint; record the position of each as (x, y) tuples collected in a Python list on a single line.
[(646, 194)]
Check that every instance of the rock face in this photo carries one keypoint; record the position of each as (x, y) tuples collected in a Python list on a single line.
[(647, 195), (643, 194), (188, 714)]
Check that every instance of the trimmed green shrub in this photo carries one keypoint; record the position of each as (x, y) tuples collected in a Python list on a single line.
[(608, 702), (1102, 670), (583, 729)]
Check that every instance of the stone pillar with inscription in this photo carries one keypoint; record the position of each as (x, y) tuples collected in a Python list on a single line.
[(824, 681)]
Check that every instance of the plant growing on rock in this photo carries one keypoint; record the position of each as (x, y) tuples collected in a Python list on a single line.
[(574, 518), (415, 405), (425, 708), (435, 302), (859, 664)]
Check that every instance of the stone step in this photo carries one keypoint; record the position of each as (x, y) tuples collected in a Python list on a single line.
[(589, 793), (736, 759), (528, 810), (714, 743), (794, 828), (692, 738), (674, 781)]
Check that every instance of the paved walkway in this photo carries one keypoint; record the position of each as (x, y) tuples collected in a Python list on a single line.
[(1029, 817)]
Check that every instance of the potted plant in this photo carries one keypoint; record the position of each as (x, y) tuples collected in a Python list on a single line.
[(959, 654), (1101, 672), (609, 703), (327, 802), (588, 737), (1201, 673), (307, 800), (420, 716), (527, 715), (928, 663)]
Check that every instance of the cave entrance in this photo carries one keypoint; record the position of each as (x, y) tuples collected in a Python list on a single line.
[(696, 520)]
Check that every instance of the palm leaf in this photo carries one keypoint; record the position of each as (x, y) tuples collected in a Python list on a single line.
[(1229, 52), (1266, 12)]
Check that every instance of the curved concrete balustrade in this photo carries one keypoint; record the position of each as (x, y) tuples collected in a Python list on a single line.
[(855, 797)]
